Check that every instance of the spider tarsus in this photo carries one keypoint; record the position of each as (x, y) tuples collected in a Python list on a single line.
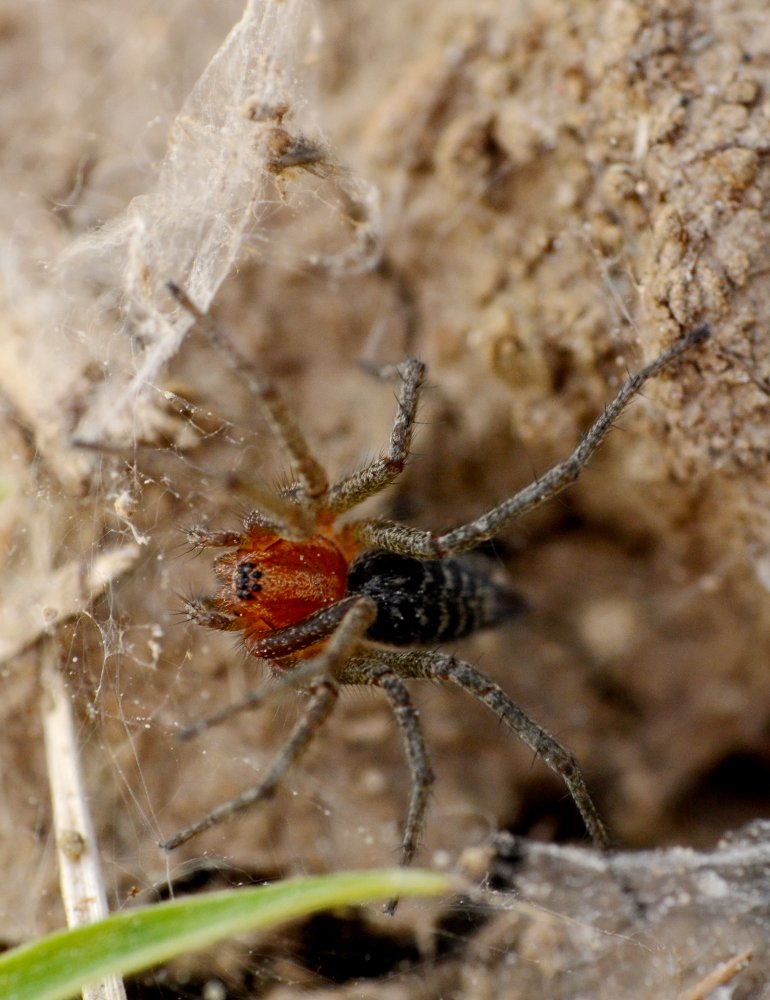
[(185, 301), (200, 611), (697, 336), (187, 733), (199, 538), (693, 338), (177, 840), (411, 370)]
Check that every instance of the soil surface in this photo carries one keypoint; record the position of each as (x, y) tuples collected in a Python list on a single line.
[(565, 189)]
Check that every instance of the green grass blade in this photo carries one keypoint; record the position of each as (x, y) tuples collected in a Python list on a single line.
[(57, 967)]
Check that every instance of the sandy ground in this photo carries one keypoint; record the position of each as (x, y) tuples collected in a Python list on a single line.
[(565, 189)]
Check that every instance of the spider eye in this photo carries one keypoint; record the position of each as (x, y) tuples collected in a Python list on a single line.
[(247, 578)]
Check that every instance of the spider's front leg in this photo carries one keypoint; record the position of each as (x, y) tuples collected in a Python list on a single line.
[(405, 540), (372, 479), (310, 473)]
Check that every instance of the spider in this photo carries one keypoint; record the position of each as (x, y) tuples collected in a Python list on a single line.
[(365, 602)]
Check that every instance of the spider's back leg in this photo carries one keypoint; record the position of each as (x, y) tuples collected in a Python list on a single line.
[(440, 666), (365, 669)]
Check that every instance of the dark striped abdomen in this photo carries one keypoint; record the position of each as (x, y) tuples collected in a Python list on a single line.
[(427, 602)]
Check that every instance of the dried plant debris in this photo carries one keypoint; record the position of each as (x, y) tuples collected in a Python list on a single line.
[(646, 924)]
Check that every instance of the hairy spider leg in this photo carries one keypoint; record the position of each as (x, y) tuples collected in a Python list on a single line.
[(323, 695), (432, 665), (418, 759), (312, 486), (324, 692), (365, 669), (310, 474), (271, 648), (375, 477), (352, 490), (380, 533)]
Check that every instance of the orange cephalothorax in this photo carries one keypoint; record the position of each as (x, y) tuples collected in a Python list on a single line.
[(271, 582)]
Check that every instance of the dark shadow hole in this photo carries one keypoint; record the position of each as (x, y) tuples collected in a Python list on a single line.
[(732, 792), (548, 813), (340, 948)]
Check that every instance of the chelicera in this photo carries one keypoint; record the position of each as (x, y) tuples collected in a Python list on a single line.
[(365, 602)]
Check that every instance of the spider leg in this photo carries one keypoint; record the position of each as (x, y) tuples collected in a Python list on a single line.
[(362, 670), (324, 692), (441, 666), (251, 700), (364, 483), (357, 612), (202, 612), (417, 757), (400, 538), (310, 474), (350, 616)]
